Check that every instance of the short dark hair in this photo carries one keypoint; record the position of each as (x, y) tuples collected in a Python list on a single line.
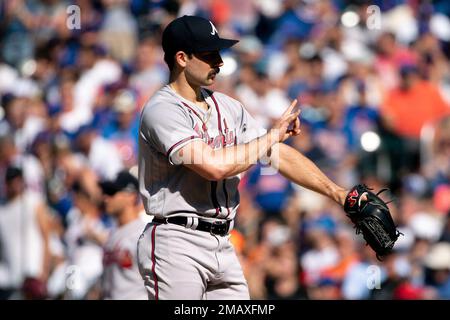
[(169, 59)]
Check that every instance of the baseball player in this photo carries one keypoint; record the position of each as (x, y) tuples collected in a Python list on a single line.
[(193, 146), (121, 279)]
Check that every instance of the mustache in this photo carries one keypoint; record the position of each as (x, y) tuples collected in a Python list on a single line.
[(216, 71)]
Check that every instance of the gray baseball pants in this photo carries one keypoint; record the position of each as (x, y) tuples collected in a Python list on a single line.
[(178, 263)]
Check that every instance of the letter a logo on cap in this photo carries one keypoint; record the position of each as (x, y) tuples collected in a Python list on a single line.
[(214, 30)]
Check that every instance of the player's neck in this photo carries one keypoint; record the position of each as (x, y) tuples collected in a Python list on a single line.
[(187, 91)]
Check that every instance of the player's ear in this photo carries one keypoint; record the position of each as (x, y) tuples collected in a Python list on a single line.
[(181, 58)]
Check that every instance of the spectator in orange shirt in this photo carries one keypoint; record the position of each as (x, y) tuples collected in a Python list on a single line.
[(413, 104), (404, 112)]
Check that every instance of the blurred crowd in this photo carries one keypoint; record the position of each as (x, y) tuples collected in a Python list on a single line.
[(373, 82)]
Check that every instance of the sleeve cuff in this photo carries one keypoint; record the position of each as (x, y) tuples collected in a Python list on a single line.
[(178, 146)]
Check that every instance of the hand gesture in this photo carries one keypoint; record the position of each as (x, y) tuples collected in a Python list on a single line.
[(288, 125)]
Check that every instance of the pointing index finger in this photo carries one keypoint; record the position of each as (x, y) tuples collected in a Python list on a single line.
[(291, 107)]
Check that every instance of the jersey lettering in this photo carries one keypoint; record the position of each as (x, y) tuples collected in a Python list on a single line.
[(121, 257)]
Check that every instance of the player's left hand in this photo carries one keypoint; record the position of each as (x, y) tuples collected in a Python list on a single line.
[(371, 217)]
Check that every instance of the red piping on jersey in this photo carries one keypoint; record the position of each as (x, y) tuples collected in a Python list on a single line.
[(213, 185), (180, 142), (225, 125), (155, 277), (198, 116), (224, 186), (214, 198), (219, 118)]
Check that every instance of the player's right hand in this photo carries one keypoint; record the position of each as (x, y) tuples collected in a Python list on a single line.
[(288, 125)]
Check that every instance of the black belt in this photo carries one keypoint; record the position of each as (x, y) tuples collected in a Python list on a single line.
[(218, 227)]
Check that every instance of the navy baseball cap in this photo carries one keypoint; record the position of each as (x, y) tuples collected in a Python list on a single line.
[(124, 181), (193, 34)]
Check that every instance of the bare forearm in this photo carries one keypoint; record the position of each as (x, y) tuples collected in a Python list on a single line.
[(239, 158), (302, 171), (227, 162)]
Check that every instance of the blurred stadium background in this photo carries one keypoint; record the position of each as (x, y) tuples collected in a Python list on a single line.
[(373, 80)]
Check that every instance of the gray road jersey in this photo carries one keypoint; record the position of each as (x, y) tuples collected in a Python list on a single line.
[(121, 279), (169, 122)]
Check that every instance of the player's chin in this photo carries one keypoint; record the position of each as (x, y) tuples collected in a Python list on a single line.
[(212, 76), (210, 80)]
